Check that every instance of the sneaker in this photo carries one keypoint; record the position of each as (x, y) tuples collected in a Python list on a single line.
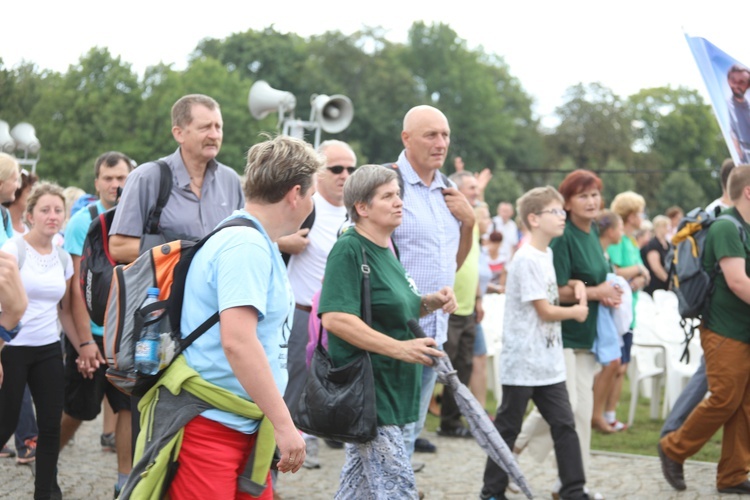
[(108, 442), (422, 445), (311, 458), (7, 452), (456, 432), (117, 491), (27, 452), (417, 466)]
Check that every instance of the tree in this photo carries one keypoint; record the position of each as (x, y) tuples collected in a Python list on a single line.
[(682, 190), (88, 110), (593, 130)]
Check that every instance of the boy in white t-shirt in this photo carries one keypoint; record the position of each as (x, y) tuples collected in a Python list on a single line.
[(531, 361)]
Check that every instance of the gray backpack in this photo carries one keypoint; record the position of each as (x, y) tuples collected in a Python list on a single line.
[(692, 284)]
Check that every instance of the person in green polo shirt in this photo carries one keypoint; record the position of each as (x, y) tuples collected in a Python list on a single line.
[(381, 467), (725, 337)]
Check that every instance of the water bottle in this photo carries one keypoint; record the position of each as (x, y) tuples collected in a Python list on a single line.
[(147, 347)]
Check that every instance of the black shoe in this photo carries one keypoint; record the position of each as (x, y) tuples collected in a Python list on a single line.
[(336, 445), (743, 488), (422, 445), (456, 432), (672, 470)]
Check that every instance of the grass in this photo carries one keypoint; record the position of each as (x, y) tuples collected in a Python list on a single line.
[(640, 439)]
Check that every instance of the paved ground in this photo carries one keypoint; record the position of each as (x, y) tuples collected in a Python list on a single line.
[(455, 472)]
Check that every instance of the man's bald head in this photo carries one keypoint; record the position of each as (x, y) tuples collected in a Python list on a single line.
[(426, 136)]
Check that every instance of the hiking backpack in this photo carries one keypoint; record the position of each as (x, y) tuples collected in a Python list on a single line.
[(687, 278), (165, 267), (97, 263)]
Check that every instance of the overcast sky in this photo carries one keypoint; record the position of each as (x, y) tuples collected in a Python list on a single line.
[(549, 46)]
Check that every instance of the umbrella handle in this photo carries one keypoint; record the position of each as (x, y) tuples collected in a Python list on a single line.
[(416, 328)]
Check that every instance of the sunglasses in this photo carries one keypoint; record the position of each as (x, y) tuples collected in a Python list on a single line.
[(337, 169)]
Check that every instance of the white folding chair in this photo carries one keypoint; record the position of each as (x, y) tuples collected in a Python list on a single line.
[(646, 364), (492, 324)]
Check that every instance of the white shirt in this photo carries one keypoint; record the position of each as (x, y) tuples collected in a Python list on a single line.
[(510, 237), (44, 280), (306, 269), (532, 353)]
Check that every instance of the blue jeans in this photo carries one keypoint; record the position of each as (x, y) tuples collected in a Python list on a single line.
[(412, 430), (26, 428), (689, 398)]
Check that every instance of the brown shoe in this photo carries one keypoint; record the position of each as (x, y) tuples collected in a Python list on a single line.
[(743, 488), (672, 470)]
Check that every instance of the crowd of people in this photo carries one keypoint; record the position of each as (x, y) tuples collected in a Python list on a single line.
[(571, 271)]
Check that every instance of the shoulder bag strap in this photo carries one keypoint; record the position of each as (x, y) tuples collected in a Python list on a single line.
[(366, 300)]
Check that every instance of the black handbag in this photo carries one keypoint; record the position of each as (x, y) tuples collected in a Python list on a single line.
[(339, 403)]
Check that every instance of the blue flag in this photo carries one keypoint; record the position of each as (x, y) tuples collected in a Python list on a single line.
[(727, 82)]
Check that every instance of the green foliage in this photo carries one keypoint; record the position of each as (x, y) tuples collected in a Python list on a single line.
[(616, 179), (666, 139), (680, 189), (502, 187)]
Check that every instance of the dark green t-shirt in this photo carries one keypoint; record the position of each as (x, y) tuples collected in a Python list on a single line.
[(578, 255), (395, 300), (728, 315)]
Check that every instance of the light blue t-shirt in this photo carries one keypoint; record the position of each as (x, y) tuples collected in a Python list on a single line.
[(6, 232), (75, 235), (238, 266)]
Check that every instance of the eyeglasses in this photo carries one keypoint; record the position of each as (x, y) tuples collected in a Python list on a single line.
[(554, 211), (337, 169)]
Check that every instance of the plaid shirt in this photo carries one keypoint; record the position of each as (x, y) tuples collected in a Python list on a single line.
[(427, 240)]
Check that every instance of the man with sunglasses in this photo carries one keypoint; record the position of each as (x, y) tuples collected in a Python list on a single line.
[(309, 248)]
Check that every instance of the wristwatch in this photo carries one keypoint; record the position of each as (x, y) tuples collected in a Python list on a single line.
[(8, 335)]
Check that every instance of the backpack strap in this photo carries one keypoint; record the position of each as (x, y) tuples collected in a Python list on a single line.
[(93, 211), (21, 248), (165, 190), (177, 293)]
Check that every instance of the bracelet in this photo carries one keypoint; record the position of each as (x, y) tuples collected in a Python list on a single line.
[(89, 342), (426, 307)]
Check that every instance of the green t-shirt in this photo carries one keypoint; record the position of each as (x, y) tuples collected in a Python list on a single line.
[(395, 299), (728, 315), (625, 254), (578, 255)]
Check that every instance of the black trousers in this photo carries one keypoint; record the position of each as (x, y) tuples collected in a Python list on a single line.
[(460, 350), (552, 402), (42, 369)]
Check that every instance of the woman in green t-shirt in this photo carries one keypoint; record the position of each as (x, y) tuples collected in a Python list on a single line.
[(380, 468)]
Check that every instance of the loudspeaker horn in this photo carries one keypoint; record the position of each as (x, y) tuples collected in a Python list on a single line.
[(264, 99), (7, 144), (334, 113), (25, 137)]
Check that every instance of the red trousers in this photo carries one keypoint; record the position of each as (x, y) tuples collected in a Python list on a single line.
[(211, 459), (728, 373)]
